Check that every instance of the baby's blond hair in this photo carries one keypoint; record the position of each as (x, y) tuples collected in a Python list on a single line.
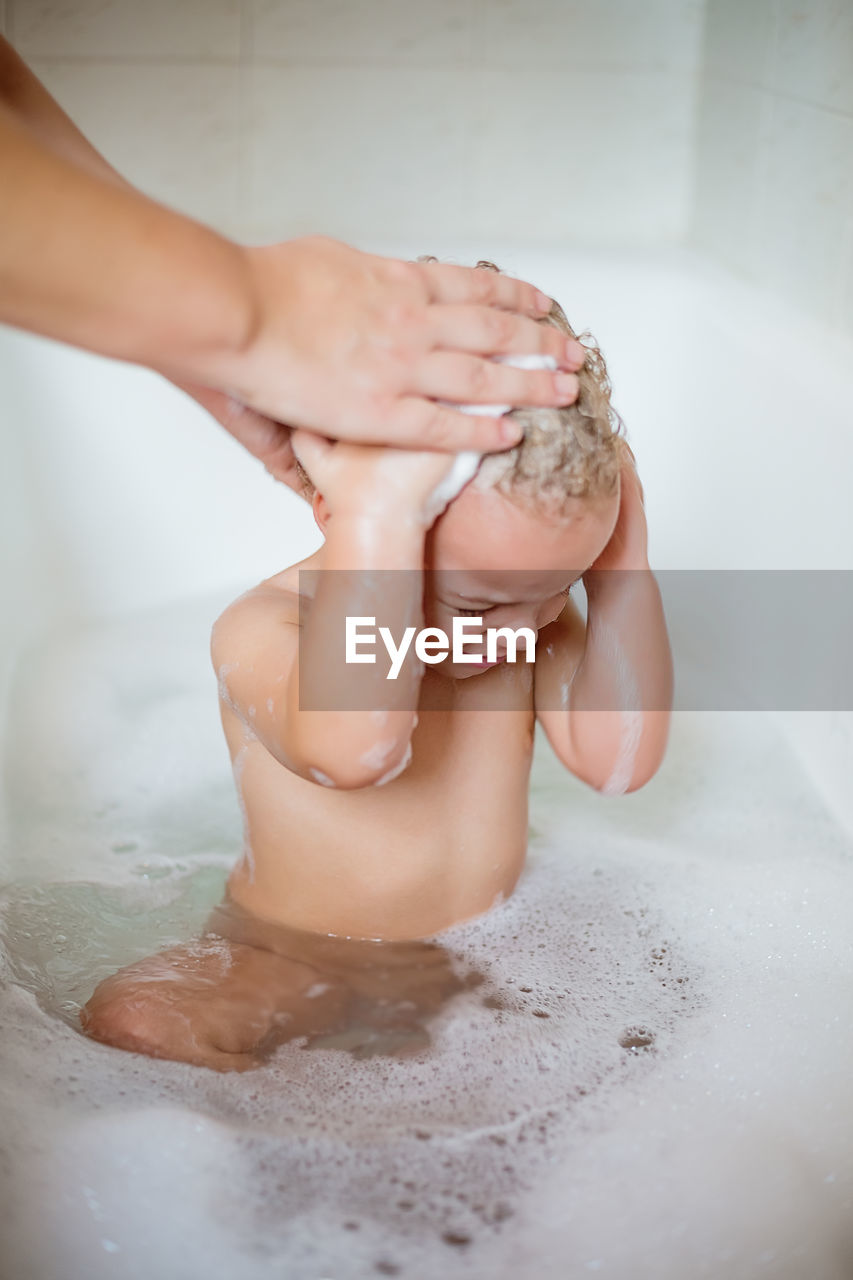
[(567, 453)]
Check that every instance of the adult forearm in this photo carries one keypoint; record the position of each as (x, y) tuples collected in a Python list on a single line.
[(26, 98), (91, 261)]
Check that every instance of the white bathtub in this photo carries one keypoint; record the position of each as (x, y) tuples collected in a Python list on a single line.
[(713, 909)]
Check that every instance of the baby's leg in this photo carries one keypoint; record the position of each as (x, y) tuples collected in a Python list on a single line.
[(213, 1002), (396, 994)]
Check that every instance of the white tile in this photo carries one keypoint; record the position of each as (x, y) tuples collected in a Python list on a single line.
[(608, 34), (359, 153), (740, 38), (804, 203), (844, 313), (127, 28), (727, 164), (592, 156), (814, 57), (391, 32), (174, 131)]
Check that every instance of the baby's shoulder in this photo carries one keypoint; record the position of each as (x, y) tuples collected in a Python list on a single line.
[(248, 623)]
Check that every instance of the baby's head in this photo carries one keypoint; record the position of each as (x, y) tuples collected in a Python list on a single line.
[(566, 453), (535, 517)]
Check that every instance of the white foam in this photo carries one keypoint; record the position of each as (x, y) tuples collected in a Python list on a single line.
[(322, 778), (463, 468), (465, 464), (395, 770), (376, 756)]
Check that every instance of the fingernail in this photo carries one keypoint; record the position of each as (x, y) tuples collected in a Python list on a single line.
[(567, 386), (575, 353), (543, 302), (510, 431)]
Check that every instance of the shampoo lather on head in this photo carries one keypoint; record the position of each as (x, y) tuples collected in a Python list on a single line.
[(466, 463)]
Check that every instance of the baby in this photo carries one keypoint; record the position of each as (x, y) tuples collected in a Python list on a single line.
[(380, 811)]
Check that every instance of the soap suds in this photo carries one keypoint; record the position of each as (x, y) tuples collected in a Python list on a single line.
[(463, 468), (247, 857), (631, 732), (629, 744), (222, 675), (397, 768), (376, 756), (323, 778), (465, 464)]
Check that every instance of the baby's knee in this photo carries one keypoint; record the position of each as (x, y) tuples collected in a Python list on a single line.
[(124, 1018)]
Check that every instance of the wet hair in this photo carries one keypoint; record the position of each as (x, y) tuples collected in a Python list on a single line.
[(574, 452), (564, 454)]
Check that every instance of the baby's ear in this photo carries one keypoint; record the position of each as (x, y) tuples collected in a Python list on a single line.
[(320, 507)]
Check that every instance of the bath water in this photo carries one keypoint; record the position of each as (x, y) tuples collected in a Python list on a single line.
[(652, 1082)]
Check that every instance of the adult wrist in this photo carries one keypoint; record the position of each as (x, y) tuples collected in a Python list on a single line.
[(218, 317)]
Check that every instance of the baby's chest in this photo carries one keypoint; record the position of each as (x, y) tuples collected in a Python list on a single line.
[(483, 747)]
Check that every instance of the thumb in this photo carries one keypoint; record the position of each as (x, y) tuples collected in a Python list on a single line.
[(311, 449)]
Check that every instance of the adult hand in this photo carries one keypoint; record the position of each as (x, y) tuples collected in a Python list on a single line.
[(365, 348), (308, 333)]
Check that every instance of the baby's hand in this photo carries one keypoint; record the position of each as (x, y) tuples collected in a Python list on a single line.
[(361, 480), (628, 545)]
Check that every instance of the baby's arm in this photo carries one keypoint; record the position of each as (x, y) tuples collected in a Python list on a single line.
[(604, 689), (372, 567)]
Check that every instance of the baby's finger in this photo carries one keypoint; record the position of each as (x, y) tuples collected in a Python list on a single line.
[(452, 284), (487, 331), (310, 448)]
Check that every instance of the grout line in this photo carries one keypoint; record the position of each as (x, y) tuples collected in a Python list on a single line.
[(693, 162), (771, 57), (725, 78), (757, 213), (389, 63), (244, 166), (844, 280), (131, 60), (247, 31)]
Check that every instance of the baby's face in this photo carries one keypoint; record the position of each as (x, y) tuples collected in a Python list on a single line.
[(493, 559)]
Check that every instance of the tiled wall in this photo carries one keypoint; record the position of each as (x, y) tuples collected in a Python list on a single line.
[(612, 122), (774, 157), (544, 120)]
